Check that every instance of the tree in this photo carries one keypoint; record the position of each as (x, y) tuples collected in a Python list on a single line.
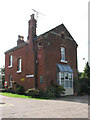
[(2, 71), (84, 80), (86, 73)]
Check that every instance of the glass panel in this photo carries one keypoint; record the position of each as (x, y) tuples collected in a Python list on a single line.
[(62, 82), (41, 79), (10, 79), (62, 75), (19, 64), (62, 53), (70, 84), (10, 60), (66, 75), (66, 84), (57, 78)]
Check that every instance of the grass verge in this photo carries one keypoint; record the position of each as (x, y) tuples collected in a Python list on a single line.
[(18, 96)]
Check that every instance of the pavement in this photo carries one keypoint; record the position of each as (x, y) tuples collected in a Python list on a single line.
[(65, 107)]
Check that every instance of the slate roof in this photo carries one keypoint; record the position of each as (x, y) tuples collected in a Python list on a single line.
[(16, 47)]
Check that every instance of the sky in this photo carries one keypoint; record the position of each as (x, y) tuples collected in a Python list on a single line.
[(15, 14)]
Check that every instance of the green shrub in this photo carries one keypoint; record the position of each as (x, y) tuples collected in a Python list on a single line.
[(76, 86), (20, 89), (51, 92), (83, 85), (59, 90), (9, 90), (34, 93), (55, 90), (42, 94)]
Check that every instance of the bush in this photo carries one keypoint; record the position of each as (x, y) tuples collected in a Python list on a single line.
[(20, 89), (55, 90), (42, 94), (34, 93), (76, 85), (51, 92), (59, 90), (83, 85), (9, 90)]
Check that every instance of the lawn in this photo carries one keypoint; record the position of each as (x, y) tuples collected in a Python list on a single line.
[(18, 96), (13, 95)]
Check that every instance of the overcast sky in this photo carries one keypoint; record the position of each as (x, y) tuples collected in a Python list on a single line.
[(14, 16)]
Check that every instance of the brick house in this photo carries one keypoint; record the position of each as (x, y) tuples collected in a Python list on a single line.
[(51, 56)]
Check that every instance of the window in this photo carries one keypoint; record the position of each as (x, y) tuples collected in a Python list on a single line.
[(62, 78), (10, 80), (19, 66), (10, 60), (39, 43), (62, 53), (66, 79), (41, 79)]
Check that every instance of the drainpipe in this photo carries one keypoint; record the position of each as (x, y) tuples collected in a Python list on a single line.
[(36, 62)]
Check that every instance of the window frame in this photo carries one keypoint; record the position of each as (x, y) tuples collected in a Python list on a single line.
[(10, 61), (63, 54), (19, 65), (10, 81), (67, 82)]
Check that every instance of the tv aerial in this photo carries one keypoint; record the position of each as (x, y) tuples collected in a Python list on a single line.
[(37, 13)]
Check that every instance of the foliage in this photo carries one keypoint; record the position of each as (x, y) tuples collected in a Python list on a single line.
[(76, 85), (14, 82), (83, 85), (2, 71), (84, 80), (9, 90), (20, 89), (55, 90), (34, 93), (51, 92)]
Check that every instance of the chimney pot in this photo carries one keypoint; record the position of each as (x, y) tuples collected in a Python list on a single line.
[(32, 16)]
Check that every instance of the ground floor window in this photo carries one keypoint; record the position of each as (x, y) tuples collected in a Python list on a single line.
[(10, 80), (41, 79), (65, 79)]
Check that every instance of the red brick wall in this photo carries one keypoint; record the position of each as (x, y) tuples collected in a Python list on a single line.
[(48, 55), (51, 55)]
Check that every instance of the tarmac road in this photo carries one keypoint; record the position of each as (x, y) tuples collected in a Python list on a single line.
[(66, 107)]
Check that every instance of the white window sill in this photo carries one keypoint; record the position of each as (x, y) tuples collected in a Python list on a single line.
[(19, 71), (10, 66), (63, 61)]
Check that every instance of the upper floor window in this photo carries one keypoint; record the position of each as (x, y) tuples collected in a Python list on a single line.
[(19, 66), (10, 60), (62, 53)]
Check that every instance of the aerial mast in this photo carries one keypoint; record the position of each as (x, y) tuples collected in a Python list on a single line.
[(37, 13)]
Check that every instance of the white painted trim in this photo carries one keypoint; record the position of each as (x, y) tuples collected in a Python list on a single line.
[(63, 61), (19, 71), (72, 80), (60, 78), (29, 76), (10, 66)]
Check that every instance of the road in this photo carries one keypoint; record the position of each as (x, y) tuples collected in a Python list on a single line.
[(66, 107)]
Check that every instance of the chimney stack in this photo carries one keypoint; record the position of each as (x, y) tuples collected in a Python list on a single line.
[(20, 40), (31, 28)]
